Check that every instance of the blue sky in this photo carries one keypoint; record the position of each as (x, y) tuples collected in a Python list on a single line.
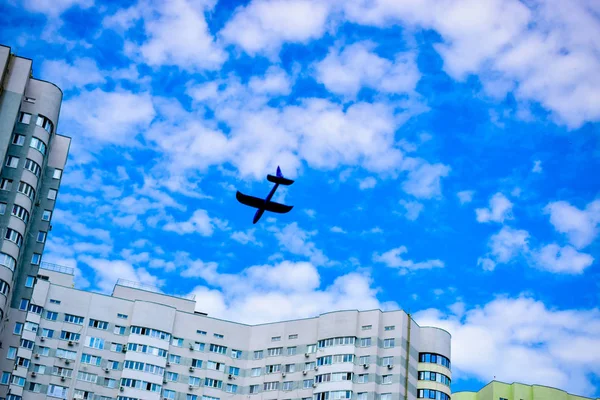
[(445, 156)]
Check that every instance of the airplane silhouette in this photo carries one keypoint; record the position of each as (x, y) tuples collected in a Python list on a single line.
[(266, 204)]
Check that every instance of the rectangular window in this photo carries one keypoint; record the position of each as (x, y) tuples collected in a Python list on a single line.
[(293, 336), (308, 383), (29, 281), (363, 378), (30, 100), (201, 332), (12, 161), (47, 333), (24, 118), (74, 319), (36, 258), (41, 237), (51, 315), (18, 140), (231, 388), (2, 208), (258, 355), (12, 353), (24, 304), (6, 184), (276, 339), (218, 335), (366, 327), (123, 316), (236, 354), (94, 323), (57, 173), (364, 360), (390, 328), (46, 215), (387, 361), (291, 351), (177, 342), (18, 328), (386, 379), (52, 194), (235, 371), (5, 378), (387, 343), (275, 351), (365, 342), (256, 371)]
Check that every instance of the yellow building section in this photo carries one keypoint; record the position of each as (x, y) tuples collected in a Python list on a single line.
[(517, 391)]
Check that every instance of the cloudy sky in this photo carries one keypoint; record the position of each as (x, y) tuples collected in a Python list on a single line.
[(446, 157)]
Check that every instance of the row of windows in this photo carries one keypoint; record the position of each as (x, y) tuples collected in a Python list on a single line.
[(434, 358), (434, 376), (432, 394), (140, 366), (43, 122), (139, 330), (38, 144), (23, 214), (14, 236), (139, 384), (386, 328)]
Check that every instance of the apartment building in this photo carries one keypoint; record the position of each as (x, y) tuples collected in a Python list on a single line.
[(139, 344), (33, 158), (516, 391)]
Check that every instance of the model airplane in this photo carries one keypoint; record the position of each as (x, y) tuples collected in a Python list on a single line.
[(266, 204)]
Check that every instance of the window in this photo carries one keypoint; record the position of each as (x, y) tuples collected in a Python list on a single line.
[(236, 354), (14, 236), (12, 353), (29, 100), (235, 371), (291, 351), (74, 319), (434, 358), (174, 359), (172, 376), (201, 332), (217, 366), (311, 348), (196, 363), (34, 387), (54, 301), (390, 328), (253, 389), (168, 394), (52, 194), (18, 140), (256, 371), (275, 351), (432, 394), (41, 237), (7, 261), (46, 215), (47, 333), (387, 343), (365, 342), (87, 377), (308, 383), (33, 167), (385, 396), (387, 361), (218, 335), (57, 173), (94, 323), (218, 349), (177, 342), (309, 366), (276, 339), (24, 304), (386, 379), (270, 386), (288, 385), (24, 117), (20, 213), (123, 316), (194, 381), (271, 369), (363, 378), (12, 161), (38, 145), (293, 336), (57, 391), (362, 396), (290, 368), (6, 184), (114, 365), (45, 123), (367, 327), (364, 360), (199, 346), (29, 281), (51, 315), (4, 287), (209, 382), (257, 354), (36, 258), (35, 309), (18, 328), (26, 189), (2, 208), (155, 333), (231, 388)]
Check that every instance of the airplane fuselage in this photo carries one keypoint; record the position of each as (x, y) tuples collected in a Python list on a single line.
[(261, 210)]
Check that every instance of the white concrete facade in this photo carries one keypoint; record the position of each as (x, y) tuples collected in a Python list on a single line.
[(137, 344)]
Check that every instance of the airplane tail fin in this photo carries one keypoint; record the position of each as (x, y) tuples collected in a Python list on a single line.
[(279, 178)]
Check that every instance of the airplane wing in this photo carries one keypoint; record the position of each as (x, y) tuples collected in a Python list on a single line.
[(260, 203), (277, 207), (279, 179), (250, 200)]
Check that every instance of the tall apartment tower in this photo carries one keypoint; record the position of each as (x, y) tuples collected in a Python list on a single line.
[(138, 344), (33, 157)]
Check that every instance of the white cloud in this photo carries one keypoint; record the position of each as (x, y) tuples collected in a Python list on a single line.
[(565, 259), (199, 223), (337, 229), (264, 25), (75, 225), (109, 117), (393, 259), (465, 196), (523, 340), (424, 180), (82, 72), (537, 167), (412, 209), (540, 50), (176, 33), (297, 241), (246, 237), (580, 226), (500, 209), (347, 71), (367, 183), (275, 82), (54, 8), (508, 243), (107, 272), (249, 295)]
